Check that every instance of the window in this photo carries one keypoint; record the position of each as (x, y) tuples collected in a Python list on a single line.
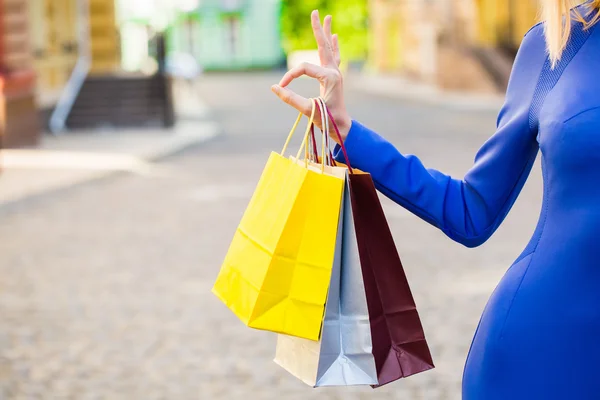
[(232, 27), (231, 5)]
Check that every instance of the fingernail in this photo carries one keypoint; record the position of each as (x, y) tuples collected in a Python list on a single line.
[(275, 88)]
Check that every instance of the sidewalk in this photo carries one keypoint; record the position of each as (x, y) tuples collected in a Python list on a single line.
[(402, 88), (81, 156)]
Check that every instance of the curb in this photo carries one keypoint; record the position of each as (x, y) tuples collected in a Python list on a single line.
[(132, 163), (185, 141), (398, 88)]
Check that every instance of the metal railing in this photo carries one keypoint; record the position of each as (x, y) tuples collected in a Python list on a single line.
[(63, 108), (68, 96)]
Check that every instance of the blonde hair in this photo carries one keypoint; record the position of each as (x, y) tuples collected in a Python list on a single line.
[(558, 28)]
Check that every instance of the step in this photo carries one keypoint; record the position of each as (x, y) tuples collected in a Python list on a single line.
[(109, 110), (114, 123), (120, 101), (497, 63)]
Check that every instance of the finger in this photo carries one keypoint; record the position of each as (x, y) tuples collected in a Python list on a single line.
[(336, 49), (329, 36), (308, 69), (300, 103), (324, 48), (327, 29)]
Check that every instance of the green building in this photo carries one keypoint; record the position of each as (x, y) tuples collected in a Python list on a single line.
[(229, 34)]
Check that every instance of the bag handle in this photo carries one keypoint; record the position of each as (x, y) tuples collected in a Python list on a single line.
[(314, 150), (306, 133), (325, 134), (305, 141), (341, 141), (325, 121), (325, 156), (310, 129)]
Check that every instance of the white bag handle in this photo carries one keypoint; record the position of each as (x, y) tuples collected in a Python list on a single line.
[(326, 158)]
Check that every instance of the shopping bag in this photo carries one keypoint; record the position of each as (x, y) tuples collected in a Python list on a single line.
[(399, 345), (343, 356), (277, 270)]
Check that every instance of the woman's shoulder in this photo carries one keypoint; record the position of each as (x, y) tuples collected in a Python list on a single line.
[(533, 44), (581, 15), (536, 30)]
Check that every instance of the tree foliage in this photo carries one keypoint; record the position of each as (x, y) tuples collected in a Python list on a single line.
[(349, 22)]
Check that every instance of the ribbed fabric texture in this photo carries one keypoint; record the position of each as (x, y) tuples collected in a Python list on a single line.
[(549, 76)]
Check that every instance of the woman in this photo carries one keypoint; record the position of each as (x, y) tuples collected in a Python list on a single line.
[(539, 336)]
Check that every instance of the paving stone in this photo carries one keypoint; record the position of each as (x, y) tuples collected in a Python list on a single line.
[(105, 288)]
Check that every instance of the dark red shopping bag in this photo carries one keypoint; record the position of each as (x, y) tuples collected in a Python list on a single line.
[(399, 345)]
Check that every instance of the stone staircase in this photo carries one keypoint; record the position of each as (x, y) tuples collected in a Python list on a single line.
[(498, 64), (473, 69), (459, 70), (123, 101)]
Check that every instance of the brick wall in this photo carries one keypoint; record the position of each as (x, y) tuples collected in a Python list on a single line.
[(18, 114)]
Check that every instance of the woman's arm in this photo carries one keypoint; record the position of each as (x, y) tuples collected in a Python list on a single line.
[(471, 209)]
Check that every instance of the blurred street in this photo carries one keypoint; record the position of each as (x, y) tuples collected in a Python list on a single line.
[(105, 286)]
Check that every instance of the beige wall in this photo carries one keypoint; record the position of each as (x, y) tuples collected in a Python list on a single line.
[(406, 34), (504, 22), (54, 33), (403, 36), (18, 122), (54, 44), (105, 41)]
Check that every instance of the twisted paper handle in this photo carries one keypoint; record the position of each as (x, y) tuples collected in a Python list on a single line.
[(341, 141)]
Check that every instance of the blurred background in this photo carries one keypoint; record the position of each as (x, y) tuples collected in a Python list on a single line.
[(132, 134)]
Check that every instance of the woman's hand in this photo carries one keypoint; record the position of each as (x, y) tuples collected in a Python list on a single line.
[(328, 74)]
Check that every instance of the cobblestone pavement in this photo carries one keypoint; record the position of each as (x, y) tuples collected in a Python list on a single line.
[(105, 288)]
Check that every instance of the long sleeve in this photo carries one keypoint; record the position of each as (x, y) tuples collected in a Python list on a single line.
[(471, 209)]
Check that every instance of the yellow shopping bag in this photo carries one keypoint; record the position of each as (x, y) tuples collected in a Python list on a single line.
[(276, 273)]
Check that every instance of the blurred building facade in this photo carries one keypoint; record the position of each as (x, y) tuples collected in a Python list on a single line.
[(60, 67), (400, 35), (39, 49), (230, 34), (429, 39), (503, 23), (18, 122), (55, 42)]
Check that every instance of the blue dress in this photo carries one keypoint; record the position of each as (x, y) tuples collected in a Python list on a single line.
[(539, 335)]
